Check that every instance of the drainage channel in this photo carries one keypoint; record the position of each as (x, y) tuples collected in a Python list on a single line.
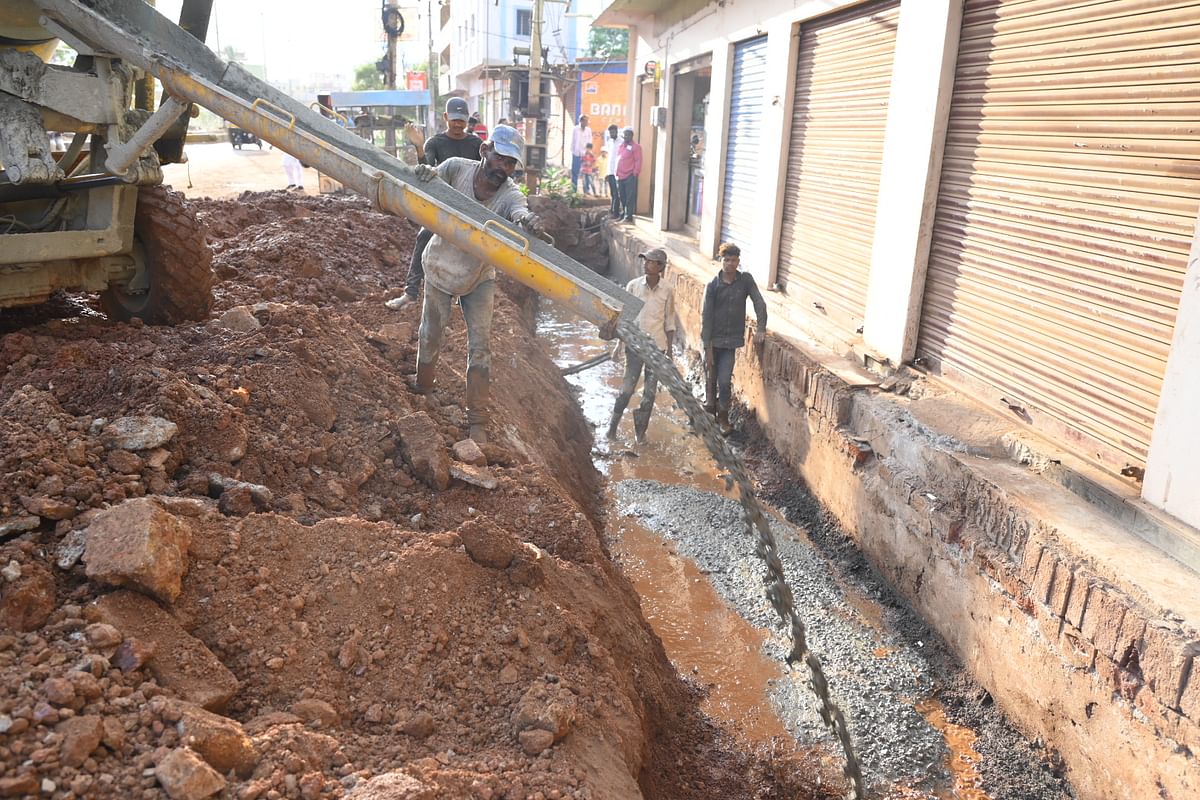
[(679, 537)]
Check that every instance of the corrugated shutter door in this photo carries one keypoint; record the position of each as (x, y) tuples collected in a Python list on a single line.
[(1068, 198), (843, 78), (740, 204)]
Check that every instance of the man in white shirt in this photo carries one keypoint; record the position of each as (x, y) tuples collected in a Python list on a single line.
[(657, 319), (611, 141), (450, 272), (581, 137)]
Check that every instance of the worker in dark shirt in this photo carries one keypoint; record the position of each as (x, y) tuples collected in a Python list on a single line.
[(723, 329), (455, 142)]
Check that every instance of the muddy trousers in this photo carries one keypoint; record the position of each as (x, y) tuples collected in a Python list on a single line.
[(718, 379), (416, 267), (634, 369), (477, 311)]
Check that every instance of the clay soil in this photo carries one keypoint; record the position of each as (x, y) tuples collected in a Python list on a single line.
[(366, 635)]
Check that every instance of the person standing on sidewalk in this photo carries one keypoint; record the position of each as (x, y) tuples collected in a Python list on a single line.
[(657, 319), (609, 148), (723, 329), (629, 166), (581, 137), (455, 142), (451, 273)]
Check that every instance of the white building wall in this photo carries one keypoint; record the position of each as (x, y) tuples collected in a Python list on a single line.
[(1172, 477)]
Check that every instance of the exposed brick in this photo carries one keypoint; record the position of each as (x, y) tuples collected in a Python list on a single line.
[(1077, 603), (1189, 698), (1079, 652), (1181, 729), (1165, 652), (1102, 621), (1133, 628), (1031, 559), (1043, 579), (1061, 588)]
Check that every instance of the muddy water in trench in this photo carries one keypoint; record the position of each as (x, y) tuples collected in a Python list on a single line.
[(702, 634)]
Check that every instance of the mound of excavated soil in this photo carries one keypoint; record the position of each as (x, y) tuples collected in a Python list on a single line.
[(355, 620)]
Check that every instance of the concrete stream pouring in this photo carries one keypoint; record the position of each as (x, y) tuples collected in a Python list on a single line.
[(679, 536)]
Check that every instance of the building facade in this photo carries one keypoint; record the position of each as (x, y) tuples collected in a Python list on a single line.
[(1000, 196), (1002, 192), (473, 42)]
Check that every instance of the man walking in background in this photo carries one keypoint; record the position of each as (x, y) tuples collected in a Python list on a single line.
[(455, 142), (609, 148), (581, 137), (629, 166), (657, 319), (723, 329)]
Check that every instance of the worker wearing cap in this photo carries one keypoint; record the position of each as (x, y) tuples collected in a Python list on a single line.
[(657, 319), (723, 329), (454, 142), (450, 272)]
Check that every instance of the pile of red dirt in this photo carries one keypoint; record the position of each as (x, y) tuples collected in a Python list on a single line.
[(241, 559)]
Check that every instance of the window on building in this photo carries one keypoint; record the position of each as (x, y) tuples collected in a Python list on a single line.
[(524, 22)]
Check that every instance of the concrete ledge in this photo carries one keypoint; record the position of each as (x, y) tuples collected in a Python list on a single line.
[(1084, 633)]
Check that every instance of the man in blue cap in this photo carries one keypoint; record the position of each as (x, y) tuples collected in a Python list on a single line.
[(450, 273), (454, 142)]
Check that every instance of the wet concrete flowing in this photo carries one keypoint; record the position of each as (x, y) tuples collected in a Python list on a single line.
[(680, 537)]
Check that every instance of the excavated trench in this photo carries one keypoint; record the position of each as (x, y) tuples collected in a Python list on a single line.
[(921, 728), (357, 612)]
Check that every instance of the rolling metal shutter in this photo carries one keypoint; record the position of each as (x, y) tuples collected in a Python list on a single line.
[(843, 78), (740, 204), (1067, 203)]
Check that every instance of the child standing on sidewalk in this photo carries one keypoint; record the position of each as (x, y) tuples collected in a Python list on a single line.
[(588, 170)]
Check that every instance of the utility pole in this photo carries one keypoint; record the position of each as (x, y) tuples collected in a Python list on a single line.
[(392, 36), (538, 146)]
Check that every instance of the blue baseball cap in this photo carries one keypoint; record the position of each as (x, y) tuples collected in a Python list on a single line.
[(509, 142)]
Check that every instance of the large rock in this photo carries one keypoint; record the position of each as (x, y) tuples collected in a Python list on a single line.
[(180, 661), (138, 433), (138, 544), (547, 706), (421, 444), (185, 776), (27, 601), (396, 785), (219, 740), (487, 544), (80, 738), (238, 318)]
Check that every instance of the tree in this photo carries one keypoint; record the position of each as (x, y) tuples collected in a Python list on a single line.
[(366, 76), (608, 42), (232, 54)]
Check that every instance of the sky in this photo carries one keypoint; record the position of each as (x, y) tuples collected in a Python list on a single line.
[(297, 38)]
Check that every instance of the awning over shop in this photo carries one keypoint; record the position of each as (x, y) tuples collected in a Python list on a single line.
[(381, 97)]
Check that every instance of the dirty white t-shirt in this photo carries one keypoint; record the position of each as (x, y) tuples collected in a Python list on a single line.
[(446, 267)]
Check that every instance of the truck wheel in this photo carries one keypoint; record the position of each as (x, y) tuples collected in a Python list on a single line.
[(173, 258)]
